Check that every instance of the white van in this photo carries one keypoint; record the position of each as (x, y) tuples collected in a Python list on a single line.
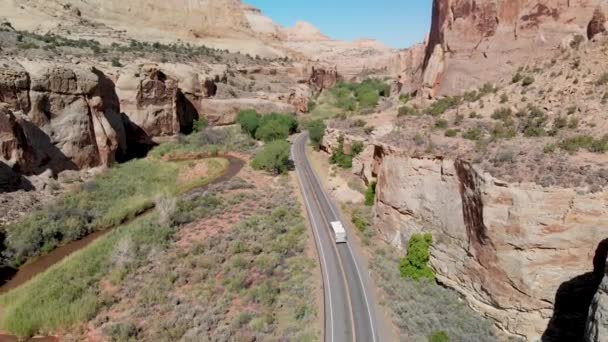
[(339, 232)]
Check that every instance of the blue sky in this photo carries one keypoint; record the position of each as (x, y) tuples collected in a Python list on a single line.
[(397, 23)]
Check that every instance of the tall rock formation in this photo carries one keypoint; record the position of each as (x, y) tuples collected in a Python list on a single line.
[(472, 42), (58, 117)]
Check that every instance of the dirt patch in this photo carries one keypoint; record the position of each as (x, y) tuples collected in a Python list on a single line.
[(193, 172)]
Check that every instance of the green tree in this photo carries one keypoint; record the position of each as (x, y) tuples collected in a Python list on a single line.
[(272, 130), (316, 130), (274, 157), (249, 121), (415, 264), (287, 120)]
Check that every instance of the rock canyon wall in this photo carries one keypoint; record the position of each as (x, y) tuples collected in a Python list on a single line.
[(473, 42), (515, 251)]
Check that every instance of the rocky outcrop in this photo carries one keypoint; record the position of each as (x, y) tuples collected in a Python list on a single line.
[(149, 98), (14, 149), (14, 85), (323, 77), (597, 24), (299, 98), (74, 119), (473, 42), (507, 248)]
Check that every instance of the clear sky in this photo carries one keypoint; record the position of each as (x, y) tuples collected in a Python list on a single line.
[(397, 23)]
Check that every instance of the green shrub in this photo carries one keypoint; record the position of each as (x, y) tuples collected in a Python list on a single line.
[(407, 110), (439, 336), (271, 131), (549, 148), (442, 105), (405, 98), (116, 62), (200, 124), (502, 131), (316, 131), (503, 114), (451, 133), (370, 194), (441, 124), (274, 157), (504, 98), (517, 78), (474, 134), (361, 220), (414, 265), (343, 159), (356, 148), (528, 80), (363, 95)]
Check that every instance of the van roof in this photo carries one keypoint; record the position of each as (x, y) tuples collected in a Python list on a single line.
[(338, 227)]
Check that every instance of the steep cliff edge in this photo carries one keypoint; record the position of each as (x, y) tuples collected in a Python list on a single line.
[(473, 42)]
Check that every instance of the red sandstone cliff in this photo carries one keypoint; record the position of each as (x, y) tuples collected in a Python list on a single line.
[(472, 42)]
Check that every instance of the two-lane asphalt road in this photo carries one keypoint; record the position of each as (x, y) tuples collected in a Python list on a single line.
[(349, 315)]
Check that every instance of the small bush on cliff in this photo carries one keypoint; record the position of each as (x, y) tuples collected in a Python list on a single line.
[(274, 157), (370, 194), (199, 125), (442, 105), (415, 264), (316, 130), (407, 110)]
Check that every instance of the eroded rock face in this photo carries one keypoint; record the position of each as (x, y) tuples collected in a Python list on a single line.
[(64, 117), (507, 248), (322, 78), (14, 149), (473, 42)]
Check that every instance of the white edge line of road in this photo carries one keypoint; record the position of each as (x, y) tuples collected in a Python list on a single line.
[(331, 207), (319, 247)]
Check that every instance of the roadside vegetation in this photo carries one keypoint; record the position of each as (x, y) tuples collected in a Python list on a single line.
[(273, 129), (422, 309), (250, 279), (346, 99)]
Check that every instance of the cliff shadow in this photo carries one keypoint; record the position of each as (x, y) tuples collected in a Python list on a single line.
[(139, 143), (12, 181), (186, 113), (573, 299)]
